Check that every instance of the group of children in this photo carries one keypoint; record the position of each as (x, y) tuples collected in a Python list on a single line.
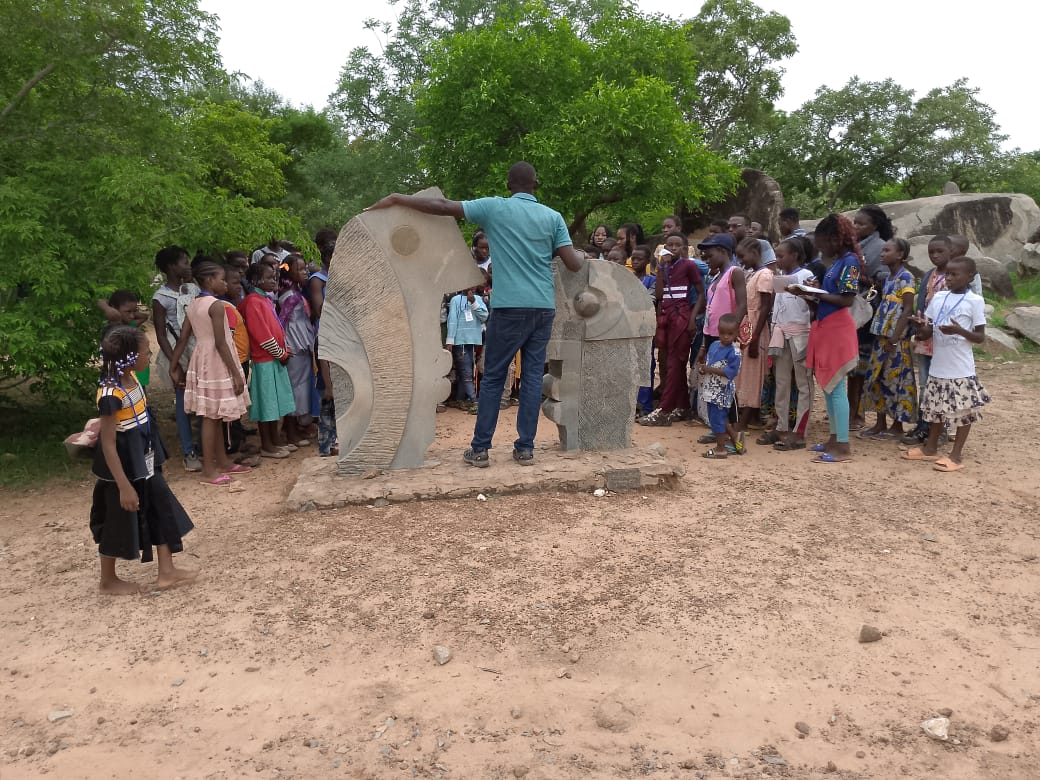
[(839, 308), (234, 336)]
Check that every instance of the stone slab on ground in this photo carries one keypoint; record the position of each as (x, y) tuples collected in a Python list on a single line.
[(320, 486)]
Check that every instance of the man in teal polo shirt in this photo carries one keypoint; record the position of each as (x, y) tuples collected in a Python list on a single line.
[(524, 236)]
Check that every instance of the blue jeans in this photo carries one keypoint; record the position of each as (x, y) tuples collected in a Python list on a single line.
[(512, 330), (463, 357), (184, 432)]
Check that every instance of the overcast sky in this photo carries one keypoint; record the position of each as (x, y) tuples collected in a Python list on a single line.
[(298, 48)]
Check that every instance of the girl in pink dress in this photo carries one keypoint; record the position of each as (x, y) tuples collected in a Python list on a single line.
[(214, 386), (754, 364)]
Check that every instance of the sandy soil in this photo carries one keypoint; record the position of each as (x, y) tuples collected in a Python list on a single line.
[(675, 635)]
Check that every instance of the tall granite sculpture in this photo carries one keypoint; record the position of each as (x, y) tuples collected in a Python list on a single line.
[(599, 354), (380, 332)]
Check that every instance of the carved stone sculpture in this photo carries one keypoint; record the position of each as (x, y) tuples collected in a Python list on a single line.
[(380, 332), (599, 355)]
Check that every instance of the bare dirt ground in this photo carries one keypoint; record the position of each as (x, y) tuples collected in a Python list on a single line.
[(676, 635)]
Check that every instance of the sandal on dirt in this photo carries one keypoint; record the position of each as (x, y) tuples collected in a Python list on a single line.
[(239, 468), (222, 481), (788, 446), (947, 465), (818, 448), (276, 454), (868, 433), (708, 438), (769, 437), (830, 457), (916, 453), (714, 454)]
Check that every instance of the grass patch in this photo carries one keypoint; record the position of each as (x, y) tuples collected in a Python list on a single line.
[(31, 440)]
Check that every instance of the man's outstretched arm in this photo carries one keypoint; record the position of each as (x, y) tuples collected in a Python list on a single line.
[(440, 207), (571, 259)]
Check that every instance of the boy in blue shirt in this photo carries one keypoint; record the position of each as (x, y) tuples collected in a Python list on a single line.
[(720, 368), (467, 314)]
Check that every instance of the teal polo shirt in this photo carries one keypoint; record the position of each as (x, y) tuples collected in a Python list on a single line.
[(523, 236)]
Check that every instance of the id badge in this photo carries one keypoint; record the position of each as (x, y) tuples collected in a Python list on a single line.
[(149, 463), (468, 315)]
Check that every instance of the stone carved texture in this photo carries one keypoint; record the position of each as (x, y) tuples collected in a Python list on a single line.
[(599, 354), (380, 331)]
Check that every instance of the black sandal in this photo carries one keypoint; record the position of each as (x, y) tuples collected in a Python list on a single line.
[(715, 454), (788, 446), (769, 437)]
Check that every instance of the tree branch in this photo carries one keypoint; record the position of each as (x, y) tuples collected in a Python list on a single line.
[(27, 87), (581, 216)]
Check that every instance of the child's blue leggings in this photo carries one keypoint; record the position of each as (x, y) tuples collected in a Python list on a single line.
[(838, 411)]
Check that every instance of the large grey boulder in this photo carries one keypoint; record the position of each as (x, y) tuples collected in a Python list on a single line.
[(759, 196), (1029, 259), (998, 223), (1025, 320), (1000, 342), (995, 277)]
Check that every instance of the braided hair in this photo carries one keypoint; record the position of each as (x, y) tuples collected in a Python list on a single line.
[(880, 220), (118, 353), (840, 227)]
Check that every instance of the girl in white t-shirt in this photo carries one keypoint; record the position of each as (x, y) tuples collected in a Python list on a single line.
[(955, 319)]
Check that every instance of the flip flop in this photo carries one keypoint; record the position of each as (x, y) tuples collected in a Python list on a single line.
[(222, 481), (916, 453), (785, 446), (276, 454), (883, 435), (829, 457), (818, 448), (708, 438), (868, 434), (714, 454), (239, 468), (947, 465)]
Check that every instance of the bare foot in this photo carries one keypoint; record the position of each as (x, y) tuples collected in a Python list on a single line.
[(175, 578), (118, 587)]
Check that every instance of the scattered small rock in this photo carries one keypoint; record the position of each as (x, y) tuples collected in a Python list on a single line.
[(428, 615), (380, 502), (869, 634), (520, 771), (481, 497), (775, 760), (100, 720), (574, 657), (998, 734), (1029, 557), (371, 474), (613, 715), (688, 763), (802, 728), (203, 652), (945, 712), (929, 538), (52, 748), (57, 715), (832, 767), (177, 683), (599, 492), (657, 449), (937, 728), (860, 754), (515, 713), (441, 654), (28, 750), (563, 672), (252, 668)]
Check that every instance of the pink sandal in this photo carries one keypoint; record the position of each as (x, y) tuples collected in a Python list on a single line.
[(239, 468), (222, 481)]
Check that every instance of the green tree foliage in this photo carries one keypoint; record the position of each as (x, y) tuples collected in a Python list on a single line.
[(597, 114), (106, 154), (737, 45), (846, 144)]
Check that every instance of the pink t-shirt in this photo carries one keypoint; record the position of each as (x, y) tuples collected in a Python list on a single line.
[(719, 300)]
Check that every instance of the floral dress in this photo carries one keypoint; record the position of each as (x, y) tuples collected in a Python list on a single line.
[(890, 388)]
